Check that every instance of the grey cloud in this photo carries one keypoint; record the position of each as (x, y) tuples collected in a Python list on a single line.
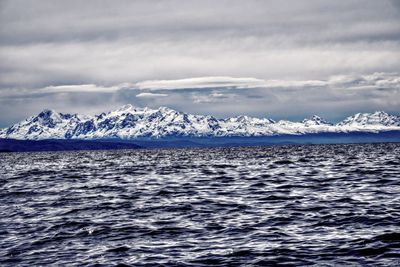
[(214, 97), (215, 86), (128, 61), (333, 98), (200, 82), (348, 82), (89, 88), (54, 21), (79, 55)]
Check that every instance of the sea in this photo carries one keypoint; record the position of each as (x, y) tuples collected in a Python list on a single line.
[(292, 205)]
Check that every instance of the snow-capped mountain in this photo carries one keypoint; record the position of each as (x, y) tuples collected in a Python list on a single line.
[(129, 122), (378, 118), (315, 120)]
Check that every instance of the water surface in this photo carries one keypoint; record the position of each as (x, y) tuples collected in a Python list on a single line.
[(321, 205)]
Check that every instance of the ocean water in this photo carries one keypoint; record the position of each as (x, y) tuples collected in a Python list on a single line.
[(309, 205)]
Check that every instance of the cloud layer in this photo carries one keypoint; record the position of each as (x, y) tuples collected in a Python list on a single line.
[(332, 98), (255, 57)]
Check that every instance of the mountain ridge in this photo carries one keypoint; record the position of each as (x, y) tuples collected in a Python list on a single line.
[(130, 122)]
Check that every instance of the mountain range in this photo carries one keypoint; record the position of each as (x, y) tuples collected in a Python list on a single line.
[(133, 123)]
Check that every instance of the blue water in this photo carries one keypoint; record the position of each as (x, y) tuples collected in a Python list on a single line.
[(315, 205)]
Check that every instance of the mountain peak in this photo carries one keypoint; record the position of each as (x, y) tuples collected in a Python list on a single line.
[(166, 109), (315, 120), (45, 113), (129, 122), (126, 107), (48, 117), (376, 118), (380, 113)]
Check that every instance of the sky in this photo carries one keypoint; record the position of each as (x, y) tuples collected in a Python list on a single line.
[(278, 59)]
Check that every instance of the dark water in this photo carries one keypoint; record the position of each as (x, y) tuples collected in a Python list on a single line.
[(327, 205)]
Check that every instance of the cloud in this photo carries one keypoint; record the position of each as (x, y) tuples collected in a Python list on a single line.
[(109, 63), (224, 57), (213, 97), (375, 80), (371, 81), (88, 88), (150, 95), (201, 82), (332, 98), (55, 43), (209, 85)]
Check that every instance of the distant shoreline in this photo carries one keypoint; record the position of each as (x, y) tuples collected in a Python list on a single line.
[(14, 145)]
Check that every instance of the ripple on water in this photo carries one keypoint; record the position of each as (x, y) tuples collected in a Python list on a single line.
[(291, 205)]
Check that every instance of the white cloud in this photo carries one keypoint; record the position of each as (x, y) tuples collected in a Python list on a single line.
[(375, 80), (371, 81), (219, 86), (218, 95), (224, 82), (87, 88), (200, 82), (150, 95)]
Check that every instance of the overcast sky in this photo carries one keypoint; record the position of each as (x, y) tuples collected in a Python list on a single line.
[(278, 59)]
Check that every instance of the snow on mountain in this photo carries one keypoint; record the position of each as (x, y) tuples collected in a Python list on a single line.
[(315, 120), (378, 118), (47, 124), (129, 122)]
